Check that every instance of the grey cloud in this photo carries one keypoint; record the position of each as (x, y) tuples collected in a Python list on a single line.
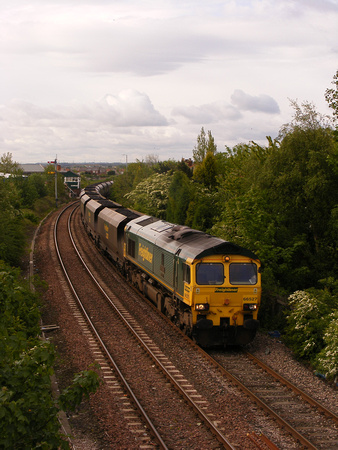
[(129, 108), (262, 103), (208, 113), (151, 49), (144, 47), (126, 120)]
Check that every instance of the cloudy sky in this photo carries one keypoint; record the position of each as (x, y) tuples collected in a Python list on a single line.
[(96, 80)]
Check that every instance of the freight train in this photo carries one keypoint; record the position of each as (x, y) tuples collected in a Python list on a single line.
[(210, 288)]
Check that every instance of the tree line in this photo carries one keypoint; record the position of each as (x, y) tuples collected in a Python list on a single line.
[(28, 410), (279, 200)]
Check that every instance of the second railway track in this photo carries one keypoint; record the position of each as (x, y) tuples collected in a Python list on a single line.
[(237, 419), (312, 425)]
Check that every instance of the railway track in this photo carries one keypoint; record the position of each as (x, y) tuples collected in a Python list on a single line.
[(275, 403), (309, 422), (111, 362)]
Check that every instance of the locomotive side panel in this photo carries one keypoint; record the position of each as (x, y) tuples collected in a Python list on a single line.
[(163, 266)]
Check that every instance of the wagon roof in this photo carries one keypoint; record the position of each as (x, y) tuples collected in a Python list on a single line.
[(189, 243)]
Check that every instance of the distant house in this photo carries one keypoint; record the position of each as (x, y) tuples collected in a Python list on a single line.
[(72, 181)]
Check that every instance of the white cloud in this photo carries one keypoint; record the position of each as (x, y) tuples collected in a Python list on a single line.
[(208, 113), (262, 102), (161, 70)]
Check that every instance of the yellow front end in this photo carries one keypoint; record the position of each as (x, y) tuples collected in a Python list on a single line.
[(224, 294)]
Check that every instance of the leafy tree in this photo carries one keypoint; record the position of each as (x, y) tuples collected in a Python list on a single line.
[(172, 166), (12, 238), (204, 145), (150, 196), (7, 165), (206, 171), (28, 412), (203, 208), (312, 317), (281, 201), (32, 188), (244, 210), (178, 198), (306, 324), (303, 188), (125, 183), (327, 359), (331, 96), (185, 166), (165, 166)]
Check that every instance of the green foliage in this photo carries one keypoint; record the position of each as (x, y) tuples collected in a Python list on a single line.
[(203, 208), (178, 198), (151, 195), (84, 383), (331, 96), (327, 359), (302, 188), (28, 411), (12, 238), (28, 415), (306, 323), (7, 165), (18, 305), (206, 171), (204, 145), (125, 183), (43, 205), (33, 188), (312, 326)]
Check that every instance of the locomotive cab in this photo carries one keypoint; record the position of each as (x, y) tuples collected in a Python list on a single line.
[(224, 294)]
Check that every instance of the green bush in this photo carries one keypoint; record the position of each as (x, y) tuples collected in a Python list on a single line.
[(28, 411), (312, 327), (306, 324), (327, 359)]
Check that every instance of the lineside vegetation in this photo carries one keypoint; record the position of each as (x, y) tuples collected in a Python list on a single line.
[(279, 200)]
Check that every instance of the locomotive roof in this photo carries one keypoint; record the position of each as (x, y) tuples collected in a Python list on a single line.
[(188, 242)]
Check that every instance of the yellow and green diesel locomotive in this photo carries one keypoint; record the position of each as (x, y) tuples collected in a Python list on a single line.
[(210, 288)]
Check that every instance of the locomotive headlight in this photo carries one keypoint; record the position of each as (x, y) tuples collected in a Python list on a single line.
[(249, 306), (202, 307)]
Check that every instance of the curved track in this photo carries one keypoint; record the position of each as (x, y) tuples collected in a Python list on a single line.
[(83, 309), (310, 426)]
